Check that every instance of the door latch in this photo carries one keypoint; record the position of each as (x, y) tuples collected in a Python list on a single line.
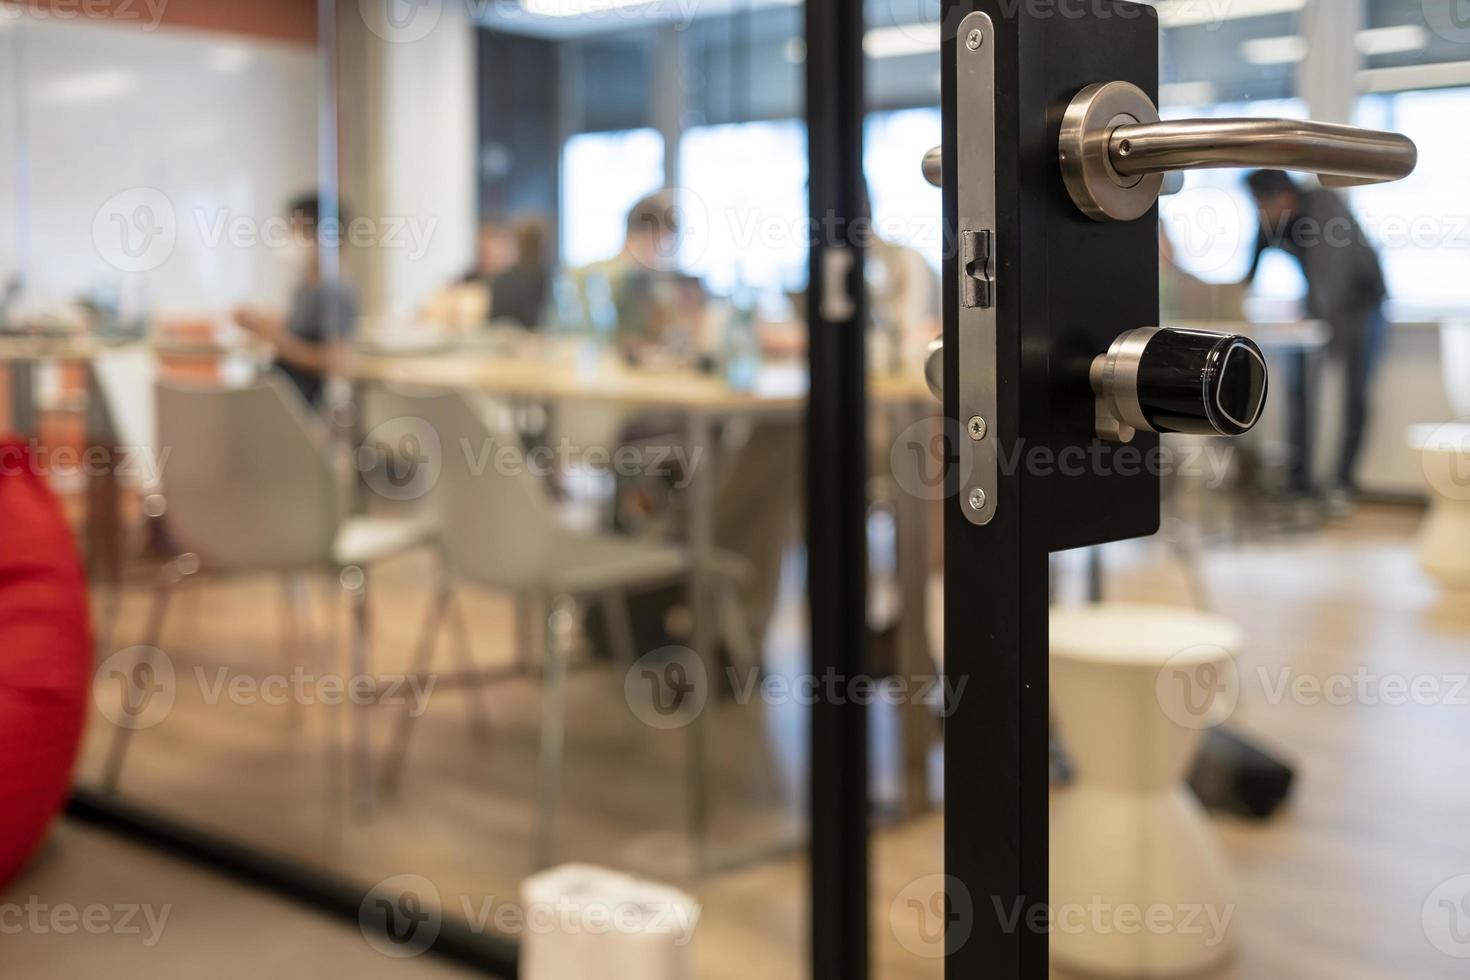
[(976, 248)]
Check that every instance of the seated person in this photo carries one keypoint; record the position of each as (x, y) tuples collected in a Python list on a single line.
[(519, 294), (653, 306), (311, 339), (465, 304)]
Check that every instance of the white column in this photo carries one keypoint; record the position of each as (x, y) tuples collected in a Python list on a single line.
[(409, 148), (1328, 77)]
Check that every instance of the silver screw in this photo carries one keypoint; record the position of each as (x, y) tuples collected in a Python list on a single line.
[(977, 499), (975, 39), (977, 428)]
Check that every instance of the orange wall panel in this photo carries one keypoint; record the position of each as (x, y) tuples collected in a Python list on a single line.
[(282, 20)]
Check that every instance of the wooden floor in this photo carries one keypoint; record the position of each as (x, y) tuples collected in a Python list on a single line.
[(1335, 887)]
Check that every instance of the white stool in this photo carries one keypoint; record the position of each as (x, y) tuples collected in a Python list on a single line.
[(1444, 541), (1139, 885), (583, 922)]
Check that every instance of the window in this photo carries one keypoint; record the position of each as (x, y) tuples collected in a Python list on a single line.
[(603, 176), (1422, 225), (744, 205), (907, 210)]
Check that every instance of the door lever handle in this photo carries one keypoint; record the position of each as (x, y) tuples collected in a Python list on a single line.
[(1114, 150)]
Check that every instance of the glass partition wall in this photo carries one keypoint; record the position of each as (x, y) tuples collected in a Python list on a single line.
[(465, 348)]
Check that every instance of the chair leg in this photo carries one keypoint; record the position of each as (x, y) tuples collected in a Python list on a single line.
[(168, 578), (422, 659), (355, 584), (112, 604), (559, 626), (745, 648), (526, 630), (292, 601), (736, 631), (619, 627), (474, 691)]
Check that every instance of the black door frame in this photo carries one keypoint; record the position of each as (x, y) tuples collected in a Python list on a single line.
[(1064, 287), (836, 486)]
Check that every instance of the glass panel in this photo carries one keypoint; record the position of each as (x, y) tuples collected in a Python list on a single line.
[(907, 459), (465, 344)]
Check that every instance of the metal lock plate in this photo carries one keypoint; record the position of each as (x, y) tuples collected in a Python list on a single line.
[(979, 495)]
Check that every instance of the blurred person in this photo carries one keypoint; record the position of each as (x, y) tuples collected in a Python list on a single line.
[(323, 313), (655, 305), (520, 291), (904, 302), (1345, 289), (660, 313), (466, 303)]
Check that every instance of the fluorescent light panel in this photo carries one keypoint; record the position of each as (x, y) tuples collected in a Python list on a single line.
[(1196, 13), (1393, 40), (894, 42), (1189, 93), (577, 8), (1274, 50), (97, 86)]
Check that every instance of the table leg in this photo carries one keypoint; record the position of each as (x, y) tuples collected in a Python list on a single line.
[(915, 660), (701, 533), (24, 419), (104, 526)]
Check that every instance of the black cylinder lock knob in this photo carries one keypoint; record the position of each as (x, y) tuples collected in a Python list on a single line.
[(1161, 379)]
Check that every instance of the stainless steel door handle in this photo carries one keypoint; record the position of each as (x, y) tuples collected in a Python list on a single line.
[(1114, 150)]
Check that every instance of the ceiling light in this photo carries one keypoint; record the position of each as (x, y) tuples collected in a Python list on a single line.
[(1189, 93), (1393, 40), (894, 42), (1213, 13), (94, 86), (1274, 50), (577, 8), (229, 59)]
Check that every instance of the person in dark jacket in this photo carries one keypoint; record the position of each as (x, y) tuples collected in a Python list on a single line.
[(1345, 289), (520, 292)]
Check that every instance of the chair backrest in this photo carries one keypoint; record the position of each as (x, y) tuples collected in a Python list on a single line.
[(126, 410), (498, 524), (246, 475), (1454, 355)]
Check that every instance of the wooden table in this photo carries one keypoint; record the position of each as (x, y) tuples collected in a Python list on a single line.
[(704, 400)]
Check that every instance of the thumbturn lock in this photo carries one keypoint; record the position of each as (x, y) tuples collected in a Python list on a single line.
[(1198, 382)]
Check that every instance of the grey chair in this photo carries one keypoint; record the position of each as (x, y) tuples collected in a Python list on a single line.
[(249, 486), (501, 533)]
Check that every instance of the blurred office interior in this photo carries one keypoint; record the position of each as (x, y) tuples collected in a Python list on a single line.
[(422, 384)]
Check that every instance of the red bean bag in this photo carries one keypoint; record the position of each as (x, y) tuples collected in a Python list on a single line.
[(45, 656)]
